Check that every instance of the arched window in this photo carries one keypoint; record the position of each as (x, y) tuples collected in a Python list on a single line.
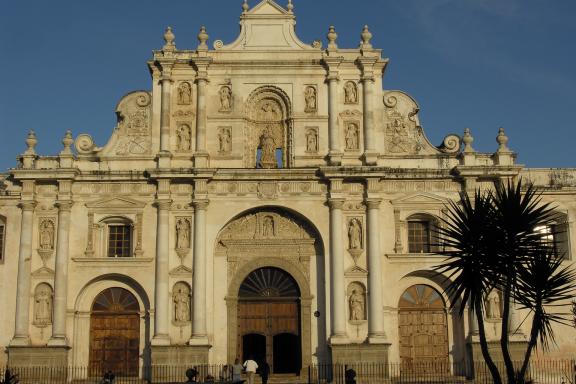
[(556, 235), (117, 232), (421, 233), (2, 237)]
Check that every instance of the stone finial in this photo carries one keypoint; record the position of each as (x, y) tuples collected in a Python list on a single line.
[(502, 140), (169, 38), (31, 142), (245, 6), (332, 36), (468, 139), (202, 39), (290, 7), (366, 36), (67, 141)]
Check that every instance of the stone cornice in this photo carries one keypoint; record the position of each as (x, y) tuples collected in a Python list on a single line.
[(45, 174)]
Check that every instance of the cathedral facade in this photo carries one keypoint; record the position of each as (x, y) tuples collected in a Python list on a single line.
[(264, 198)]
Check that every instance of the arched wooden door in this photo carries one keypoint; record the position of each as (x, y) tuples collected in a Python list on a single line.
[(269, 320), (423, 329), (115, 333)]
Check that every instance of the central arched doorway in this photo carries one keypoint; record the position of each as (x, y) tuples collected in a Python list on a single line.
[(423, 330), (115, 333), (269, 320)]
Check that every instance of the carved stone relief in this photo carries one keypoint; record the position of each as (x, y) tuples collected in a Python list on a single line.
[(311, 99), (134, 125), (403, 132), (312, 140), (183, 136), (224, 140), (43, 296), (352, 137), (357, 301), (181, 300), (184, 93), (350, 93), (225, 94)]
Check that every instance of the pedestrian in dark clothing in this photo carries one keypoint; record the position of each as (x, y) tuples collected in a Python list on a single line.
[(264, 372)]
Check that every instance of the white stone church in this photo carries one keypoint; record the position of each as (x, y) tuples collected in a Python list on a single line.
[(265, 197)]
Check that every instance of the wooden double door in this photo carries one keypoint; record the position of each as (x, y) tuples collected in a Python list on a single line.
[(269, 330), (115, 334)]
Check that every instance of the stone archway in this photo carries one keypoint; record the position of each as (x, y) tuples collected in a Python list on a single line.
[(269, 238)]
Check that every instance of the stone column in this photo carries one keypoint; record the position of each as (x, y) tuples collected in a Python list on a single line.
[(199, 334), (21, 331), (335, 154), (473, 322), (166, 83), (370, 155), (61, 275), (337, 271), (161, 294), (201, 155), (375, 308)]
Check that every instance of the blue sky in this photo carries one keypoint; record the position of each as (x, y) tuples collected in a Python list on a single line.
[(480, 64)]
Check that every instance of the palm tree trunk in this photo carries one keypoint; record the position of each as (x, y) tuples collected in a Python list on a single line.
[(484, 345), (504, 337), (531, 345)]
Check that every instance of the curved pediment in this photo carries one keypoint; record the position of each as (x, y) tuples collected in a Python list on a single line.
[(267, 26)]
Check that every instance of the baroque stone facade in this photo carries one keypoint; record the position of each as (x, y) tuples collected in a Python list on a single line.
[(265, 173)]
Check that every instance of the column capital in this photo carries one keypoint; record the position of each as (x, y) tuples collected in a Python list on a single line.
[(163, 204), (64, 205), (27, 205), (335, 203), (333, 77), (201, 204), (373, 203)]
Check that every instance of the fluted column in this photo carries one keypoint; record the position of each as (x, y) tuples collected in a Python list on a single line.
[(61, 275), (161, 294), (199, 334), (201, 155), (335, 154), (166, 84), (337, 271), (21, 331), (375, 308)]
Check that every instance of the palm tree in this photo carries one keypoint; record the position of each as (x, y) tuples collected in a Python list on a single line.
[(493, 242)]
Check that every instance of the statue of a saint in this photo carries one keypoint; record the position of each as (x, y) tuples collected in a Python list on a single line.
[(46, 235), (312, 141), (356, 302), (225, 141), (493, 306), (181, 298), (310, 98), (269, 112), (268, 227), (352, 137), (183, 134), (43, 305), (184, 93), (350, 93), (225, 99), (268, 150), (354, 235), (182, 234)]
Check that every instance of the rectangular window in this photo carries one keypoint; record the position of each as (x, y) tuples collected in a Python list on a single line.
[(2, 233), (119, 241), (418, 237)]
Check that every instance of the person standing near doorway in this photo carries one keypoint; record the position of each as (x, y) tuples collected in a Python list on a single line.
[(236, 371), (250, 366), (265, 372)]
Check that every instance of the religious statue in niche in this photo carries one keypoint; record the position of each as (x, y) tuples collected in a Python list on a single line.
[(350, 93), (312, 141), (225, 99), (268, 150), (355, 234), (181, 299), (352, 135), (224, 140), (268, 227), (46, 235), (182, 233), (43, 305), (356, 302), (184, 93), (183, 136), (493, 310), (269, 112), (310, 98)]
